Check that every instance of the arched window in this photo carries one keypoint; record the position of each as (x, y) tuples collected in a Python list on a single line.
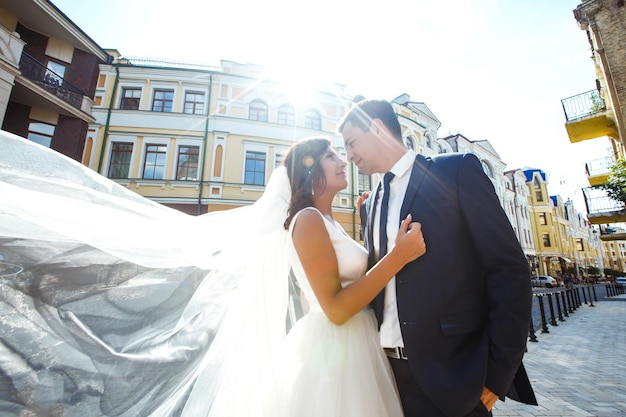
[(538, 193), (429, 140), (258, 111), (286, 115), (312, 120), (487, 169), (408, 142)]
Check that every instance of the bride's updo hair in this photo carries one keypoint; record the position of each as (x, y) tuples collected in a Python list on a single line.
[(303, 169)]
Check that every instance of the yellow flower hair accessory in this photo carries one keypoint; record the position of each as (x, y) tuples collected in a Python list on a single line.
[(308, 161)]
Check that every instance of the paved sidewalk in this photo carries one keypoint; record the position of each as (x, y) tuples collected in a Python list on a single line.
[(579, 368)]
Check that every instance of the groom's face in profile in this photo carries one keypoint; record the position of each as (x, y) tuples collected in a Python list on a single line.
[(361, 147)]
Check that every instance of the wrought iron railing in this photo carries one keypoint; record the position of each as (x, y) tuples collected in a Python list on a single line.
[(582, 105), (600, 166), (597, 202), (51, 81), (168, 63)]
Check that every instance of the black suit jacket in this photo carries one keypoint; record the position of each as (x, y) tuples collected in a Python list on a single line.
[(464, 307)]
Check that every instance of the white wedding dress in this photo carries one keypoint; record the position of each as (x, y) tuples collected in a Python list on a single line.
[(113, 305), (334, 370)]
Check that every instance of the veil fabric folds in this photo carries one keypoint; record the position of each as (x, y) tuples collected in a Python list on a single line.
[(113, 305)]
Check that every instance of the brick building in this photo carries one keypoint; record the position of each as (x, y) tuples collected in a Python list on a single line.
[(48, 73)]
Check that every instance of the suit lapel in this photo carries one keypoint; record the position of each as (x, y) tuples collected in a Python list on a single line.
[(369, 238), (418, 173)]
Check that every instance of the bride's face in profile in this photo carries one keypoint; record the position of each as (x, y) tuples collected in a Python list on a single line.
[(334, 169)]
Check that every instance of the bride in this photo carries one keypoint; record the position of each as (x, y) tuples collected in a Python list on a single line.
[(113, 305)]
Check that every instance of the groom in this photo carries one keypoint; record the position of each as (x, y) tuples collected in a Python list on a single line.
[(454, 322)]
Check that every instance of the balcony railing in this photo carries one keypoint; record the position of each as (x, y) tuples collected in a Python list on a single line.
[(598, 202), (600, 166), (51, 81), (582, 105)]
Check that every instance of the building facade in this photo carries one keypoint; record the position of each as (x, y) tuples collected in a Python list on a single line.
[(48, 72), (202, 139)]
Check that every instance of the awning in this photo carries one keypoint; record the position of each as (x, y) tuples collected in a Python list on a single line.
[(564, 259)]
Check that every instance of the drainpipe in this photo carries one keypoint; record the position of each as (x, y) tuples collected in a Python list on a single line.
[(204, 147), (106, 126)]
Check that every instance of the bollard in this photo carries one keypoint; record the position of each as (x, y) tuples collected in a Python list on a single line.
[(552, 318), (570, 308), (577, 296), (565, 309), (572, 300), (584, 295), (544, 325), (558, 305), (590, 298), (531, 331), (595, 296)]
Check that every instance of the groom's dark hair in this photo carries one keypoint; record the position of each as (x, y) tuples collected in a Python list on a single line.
[(362, 114)]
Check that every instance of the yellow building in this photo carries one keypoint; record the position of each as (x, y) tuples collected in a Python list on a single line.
[(544, 228), (202, 139)]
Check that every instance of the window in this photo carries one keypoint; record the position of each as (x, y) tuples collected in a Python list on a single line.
[(194, 102), (187, 166), (546, 239), (255, 168), (286, 115), (120, 160), (408, 143), (364, 183), (579, 245), (258, 111), (542, 219), (41, 133), (278, 159), (538, 193), (163, 101), (54, 74), (130, 98), (154, 165), (429, 140), (487, 169), (312, 120)]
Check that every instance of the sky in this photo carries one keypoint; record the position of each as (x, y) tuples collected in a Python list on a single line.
[(488, 69)]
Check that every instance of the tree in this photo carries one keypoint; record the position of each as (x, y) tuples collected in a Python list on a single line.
[(593, 270), (615, 187)]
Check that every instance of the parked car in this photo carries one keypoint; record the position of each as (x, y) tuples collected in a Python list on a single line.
[(620, 280), (543, 281)]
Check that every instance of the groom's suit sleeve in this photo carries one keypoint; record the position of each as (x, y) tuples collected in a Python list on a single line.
[(507, 275)]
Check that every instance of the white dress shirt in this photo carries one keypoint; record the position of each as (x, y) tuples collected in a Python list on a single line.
[(390, 334)]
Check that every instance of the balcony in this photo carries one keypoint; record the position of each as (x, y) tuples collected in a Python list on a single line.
[(598, 170), (587, 117), (50, 81), (601, 209), (608, 233)]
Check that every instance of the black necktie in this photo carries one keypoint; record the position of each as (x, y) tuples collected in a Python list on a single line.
[(384, 208)]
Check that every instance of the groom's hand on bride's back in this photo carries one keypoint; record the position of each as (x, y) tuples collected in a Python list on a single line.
[(410, 242)]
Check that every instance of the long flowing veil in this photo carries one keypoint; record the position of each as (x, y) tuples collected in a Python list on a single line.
[(113, 305)]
